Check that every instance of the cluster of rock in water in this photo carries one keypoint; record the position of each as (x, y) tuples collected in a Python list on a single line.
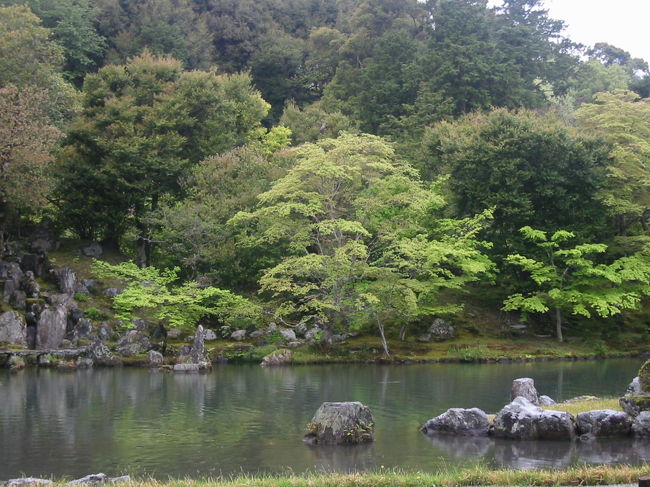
[(524, 419), (337, 423)]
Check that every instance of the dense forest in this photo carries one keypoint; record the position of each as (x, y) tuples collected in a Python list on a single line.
[(365, 165)]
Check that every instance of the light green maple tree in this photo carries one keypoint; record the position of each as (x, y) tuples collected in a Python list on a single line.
[(570, 281), (359, 240), (156, 292)]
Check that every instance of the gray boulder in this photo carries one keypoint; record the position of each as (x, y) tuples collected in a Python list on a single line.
[(635, 405), (458, 421), (51, 327), (155, 358), (18, 299), (13, 328), (210, 335), (133, 342), (67, 281), (340, 423), (105, 331), (277, 357), (641, 425), (93, 250), (101, 354), (93, 479), (634, 388), (256, 334), (546, 401), (27, 481), (198, 353), (524, 387), (288, 335), (83, 329), (604, 423), (112, 292), (439, 331), (238, 335), (522, 420), (30, 286), (195, 354)]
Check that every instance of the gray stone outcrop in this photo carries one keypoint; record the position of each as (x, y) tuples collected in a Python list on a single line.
[(27, 481), (458, 421), (641, 425), (546, 401), (288, 335), (604, 423), (133, 342), (340, 423), (238, 335), (522, 420), (439, 331), (277, 357), (13, 329), (51, 327), (524, 387)]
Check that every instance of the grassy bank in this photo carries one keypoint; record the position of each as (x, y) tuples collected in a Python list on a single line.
[(485, 349), (477, 476)]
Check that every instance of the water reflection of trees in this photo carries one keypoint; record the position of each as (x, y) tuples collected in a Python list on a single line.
[(247, 417)]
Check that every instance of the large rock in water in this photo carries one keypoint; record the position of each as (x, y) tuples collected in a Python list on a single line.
[(524, 387), (196, 354), (604, 423), (341, 423), (522, 420), (51, 327), (457, 421), (13, 329)]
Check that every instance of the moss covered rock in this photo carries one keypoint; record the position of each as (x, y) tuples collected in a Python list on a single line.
[(340, 423), (644, 377)]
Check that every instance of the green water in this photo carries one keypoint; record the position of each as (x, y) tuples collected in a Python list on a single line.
[(248, 419)]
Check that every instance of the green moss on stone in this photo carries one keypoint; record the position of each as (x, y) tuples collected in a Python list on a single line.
[(644, 377)]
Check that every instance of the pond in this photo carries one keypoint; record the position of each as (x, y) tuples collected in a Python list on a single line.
[(248, 419)]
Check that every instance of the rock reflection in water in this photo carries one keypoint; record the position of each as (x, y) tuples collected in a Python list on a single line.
[(528, 455), (346, 459), (460, 446), (605, 450)]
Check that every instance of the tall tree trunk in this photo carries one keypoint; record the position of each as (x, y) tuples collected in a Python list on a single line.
[(558, 325), (384, 343), (143, 252)]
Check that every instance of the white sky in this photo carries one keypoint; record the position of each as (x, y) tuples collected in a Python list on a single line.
[(623, 23)]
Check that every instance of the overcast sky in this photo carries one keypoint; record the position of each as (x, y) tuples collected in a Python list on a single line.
[(623, 23)]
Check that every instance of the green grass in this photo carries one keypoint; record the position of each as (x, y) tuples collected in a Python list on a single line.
[(578, 407), (476, 476)]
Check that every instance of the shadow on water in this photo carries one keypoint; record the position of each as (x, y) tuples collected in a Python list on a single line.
[(245, 418)]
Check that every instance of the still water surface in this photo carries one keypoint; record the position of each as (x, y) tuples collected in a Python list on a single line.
[(249, 419)]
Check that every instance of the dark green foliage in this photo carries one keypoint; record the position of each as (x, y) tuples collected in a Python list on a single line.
[(73, 24), (144, 125), (531, 170)]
